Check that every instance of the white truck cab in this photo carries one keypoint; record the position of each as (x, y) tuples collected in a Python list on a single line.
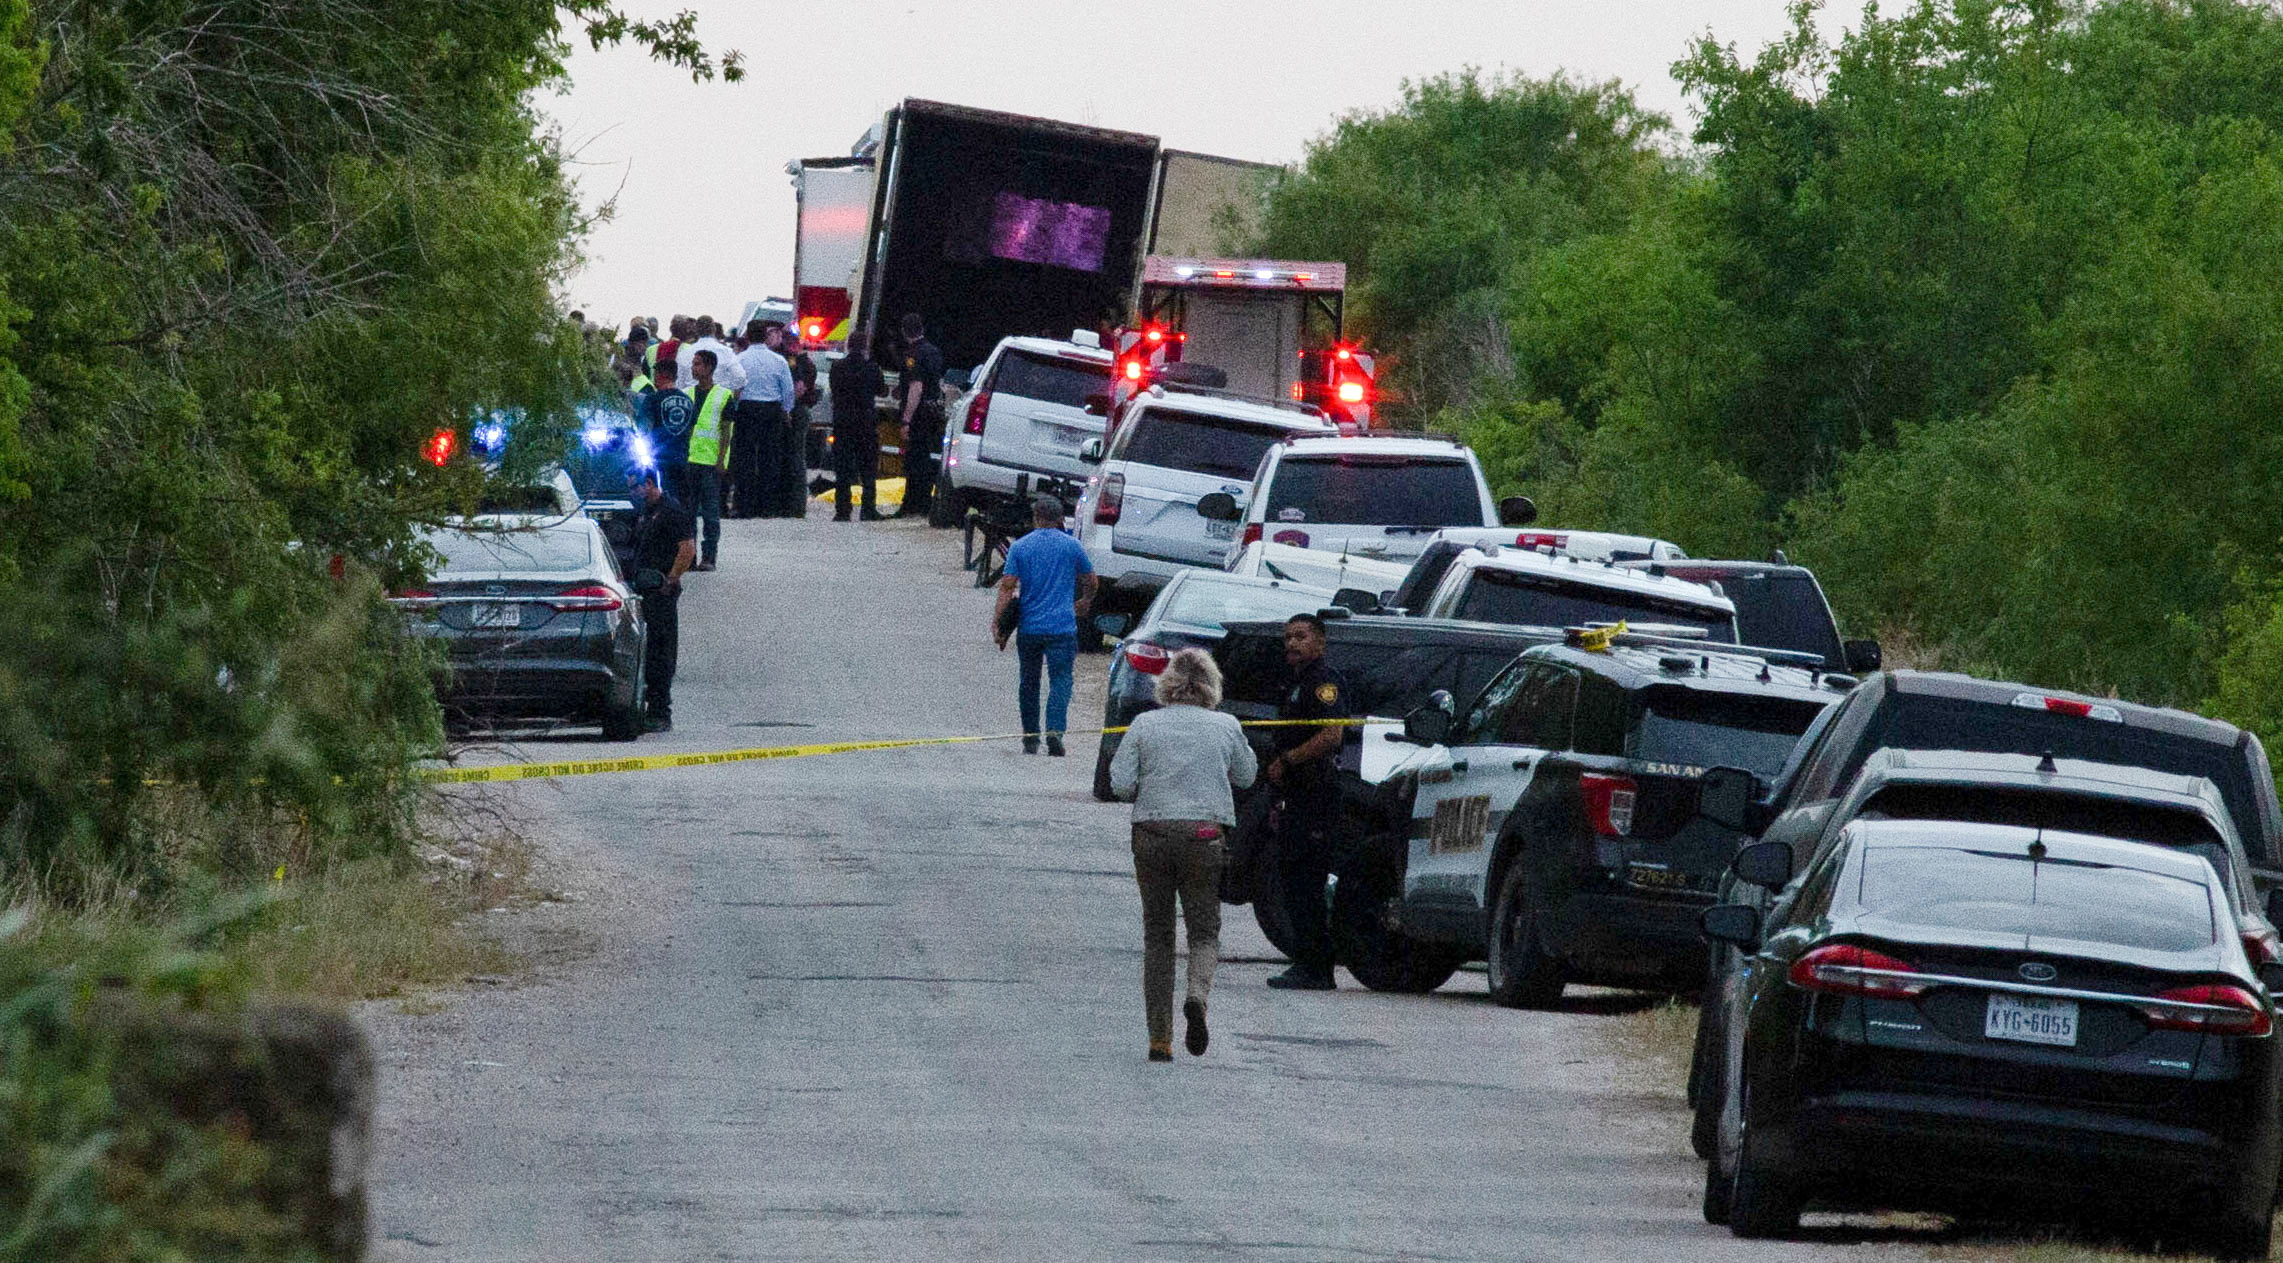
[(1372, 496)]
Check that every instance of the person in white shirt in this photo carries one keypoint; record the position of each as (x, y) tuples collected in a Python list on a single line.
[(765, 485), (727, 372)]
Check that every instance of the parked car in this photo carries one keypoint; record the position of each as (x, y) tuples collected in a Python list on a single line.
[(1489, 584), (1190, 612), (2039, 791), (1988, 1017), (1138, 517), (1551, 826), (1025, 421), (1924, 710), (1777, 604), (537, 622), (1374, 496)]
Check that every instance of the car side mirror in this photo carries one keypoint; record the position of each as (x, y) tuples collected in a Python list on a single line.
[(1090, 451), (1115, 626), (1864, 656), (1733, 924), (1097, 405), (1219, 506), (1767, 865), (1356, 600), (1517, 511), (1725, 796), (1430, 723)]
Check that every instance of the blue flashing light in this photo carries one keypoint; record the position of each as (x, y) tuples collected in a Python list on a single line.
[(596, 438), (645, 456), (490, 437)]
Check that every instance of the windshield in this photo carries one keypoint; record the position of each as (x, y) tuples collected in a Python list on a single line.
[(1700, 728), (1206, 603), (1374, 490), (1050, 378), (544, 550), (2000, 893), (1502, 596), (1199, 445)]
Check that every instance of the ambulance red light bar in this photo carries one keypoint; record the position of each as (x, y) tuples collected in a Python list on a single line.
[(2068, 706), (1272, 273)]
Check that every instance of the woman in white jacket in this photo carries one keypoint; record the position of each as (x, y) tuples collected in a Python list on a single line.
[(1178, 766)]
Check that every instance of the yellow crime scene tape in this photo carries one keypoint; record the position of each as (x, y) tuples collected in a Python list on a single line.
[(708, 758)]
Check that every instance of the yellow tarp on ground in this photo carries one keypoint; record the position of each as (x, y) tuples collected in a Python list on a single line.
[(891, 494)]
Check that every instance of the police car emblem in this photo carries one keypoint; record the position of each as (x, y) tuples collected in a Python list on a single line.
[(1327, 693)]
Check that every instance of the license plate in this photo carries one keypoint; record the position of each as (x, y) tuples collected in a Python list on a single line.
[(2031, 1020), (495, 615), (1056, 439), (1220, 530)]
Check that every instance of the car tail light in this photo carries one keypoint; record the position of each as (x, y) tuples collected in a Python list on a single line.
[(593, 597), (1252, 534), (2263, 947), (1609, 803), (1145, 657), (1111, 502), (978, 408), (2068, 706), (1847, 969), (413, 598), (2216, 1010)]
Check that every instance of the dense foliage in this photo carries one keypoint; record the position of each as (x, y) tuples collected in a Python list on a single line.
[(252, 253), (1973, 309)]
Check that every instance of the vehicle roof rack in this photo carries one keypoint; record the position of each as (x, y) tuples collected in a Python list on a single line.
[(1431, 436), (1609, 635), (1162, 388)]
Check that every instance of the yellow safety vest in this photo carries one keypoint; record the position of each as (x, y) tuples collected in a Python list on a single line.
[(640, 383), (705, 434)]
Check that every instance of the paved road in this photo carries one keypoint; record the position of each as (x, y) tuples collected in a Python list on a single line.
[(885, 1006)]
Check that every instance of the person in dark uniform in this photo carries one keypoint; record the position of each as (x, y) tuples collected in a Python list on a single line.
[(802, 451), (665, 546), (922, 392), (856, 385), (1304, 773)]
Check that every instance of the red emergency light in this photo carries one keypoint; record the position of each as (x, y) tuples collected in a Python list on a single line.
[(813, 330), (440, 446)]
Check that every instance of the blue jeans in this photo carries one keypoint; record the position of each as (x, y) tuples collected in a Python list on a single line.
[(1059, 653)]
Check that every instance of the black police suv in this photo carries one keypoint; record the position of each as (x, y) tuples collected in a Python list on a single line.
[(1976, 1017), (1551, 827)]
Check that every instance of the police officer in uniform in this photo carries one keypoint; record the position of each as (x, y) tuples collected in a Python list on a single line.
[(665, 549), (1304, 773), (921, 388)]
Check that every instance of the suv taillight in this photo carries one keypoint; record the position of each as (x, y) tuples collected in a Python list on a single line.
[(978, 408), (1251, 536), (2215, 1010), (1609, 803), (1145, 657), (592, 597), (1111, 502), (1847, 969), (413, 598)]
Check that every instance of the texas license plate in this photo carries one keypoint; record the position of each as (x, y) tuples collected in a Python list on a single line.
[(1220, 530), (2031, 1020), (1055, 438), (493, 614)]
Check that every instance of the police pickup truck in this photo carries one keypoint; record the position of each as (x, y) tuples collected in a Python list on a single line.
[(1550, 827)]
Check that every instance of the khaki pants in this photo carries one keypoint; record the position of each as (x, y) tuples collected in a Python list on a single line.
[(1177, 857)]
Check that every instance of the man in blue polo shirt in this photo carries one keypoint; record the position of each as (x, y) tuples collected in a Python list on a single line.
[(1049, 570)]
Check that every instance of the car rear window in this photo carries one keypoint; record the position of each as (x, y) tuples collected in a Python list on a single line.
[(1702, 728), (1216, 446), (1211, 604), (1502, 596), (1779, 611), (1949, 723), (1998, 893), (1050, 378), (1369, 489), (2177, 827), (534, 551)]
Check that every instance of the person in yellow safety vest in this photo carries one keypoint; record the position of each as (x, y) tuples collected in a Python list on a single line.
[(709, 453)]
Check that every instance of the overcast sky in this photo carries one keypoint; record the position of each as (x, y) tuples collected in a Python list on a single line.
[(704, 210)]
